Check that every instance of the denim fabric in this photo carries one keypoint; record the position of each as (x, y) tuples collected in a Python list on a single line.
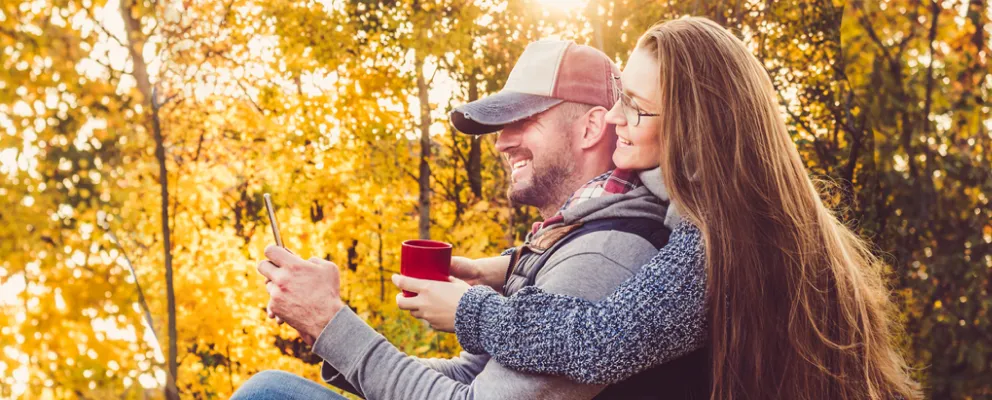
[(281, 385)]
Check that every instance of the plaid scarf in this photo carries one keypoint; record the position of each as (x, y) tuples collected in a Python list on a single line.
[(617, 181)]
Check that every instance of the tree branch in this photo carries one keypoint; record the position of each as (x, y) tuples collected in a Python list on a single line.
[(141, 295), (863, 19), (250, 100), (99, 24)]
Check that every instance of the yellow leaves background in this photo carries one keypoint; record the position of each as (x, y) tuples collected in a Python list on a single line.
[(317, 103)]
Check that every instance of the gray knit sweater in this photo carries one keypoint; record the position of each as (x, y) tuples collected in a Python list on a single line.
[(656, 316)]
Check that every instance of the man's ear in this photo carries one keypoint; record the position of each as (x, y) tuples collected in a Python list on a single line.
[(594, 127)]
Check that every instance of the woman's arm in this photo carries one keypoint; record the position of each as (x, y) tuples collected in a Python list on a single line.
[(656, 316)]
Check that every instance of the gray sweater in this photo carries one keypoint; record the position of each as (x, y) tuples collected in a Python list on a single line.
[(360, 360)]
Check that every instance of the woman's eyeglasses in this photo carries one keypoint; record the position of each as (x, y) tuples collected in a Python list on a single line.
[(631, 111)]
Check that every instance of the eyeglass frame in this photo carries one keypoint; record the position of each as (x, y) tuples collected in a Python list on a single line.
[(624, 100)]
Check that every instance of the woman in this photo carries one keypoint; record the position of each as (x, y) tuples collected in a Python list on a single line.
[(796, 307)]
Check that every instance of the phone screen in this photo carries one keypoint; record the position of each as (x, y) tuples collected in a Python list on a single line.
[(272, 219)]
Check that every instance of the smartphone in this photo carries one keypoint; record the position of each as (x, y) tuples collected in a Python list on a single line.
[(272, 219)]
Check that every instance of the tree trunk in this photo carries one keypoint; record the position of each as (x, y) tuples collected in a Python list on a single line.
[(353, 256), (163, 181), (382, 267), (474, 165), (424, 180), (136, 41)]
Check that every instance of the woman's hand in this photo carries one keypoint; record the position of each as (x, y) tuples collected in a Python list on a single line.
[(436, 301)]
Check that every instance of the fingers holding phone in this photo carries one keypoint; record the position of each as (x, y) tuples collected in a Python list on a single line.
[(271, 210)]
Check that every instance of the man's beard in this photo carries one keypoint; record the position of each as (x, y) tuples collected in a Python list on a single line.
[(547, 183)]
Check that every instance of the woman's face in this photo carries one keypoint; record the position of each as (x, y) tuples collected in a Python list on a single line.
[(638, 144)]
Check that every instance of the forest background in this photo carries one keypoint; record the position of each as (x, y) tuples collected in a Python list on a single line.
[(137, 138)]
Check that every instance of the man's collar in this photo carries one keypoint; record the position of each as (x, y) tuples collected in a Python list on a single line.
[(617, 181)]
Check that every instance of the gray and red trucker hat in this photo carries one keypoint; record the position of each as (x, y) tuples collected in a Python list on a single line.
[(548, 73)]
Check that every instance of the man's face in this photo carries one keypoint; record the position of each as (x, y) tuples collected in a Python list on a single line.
[(539, 152)]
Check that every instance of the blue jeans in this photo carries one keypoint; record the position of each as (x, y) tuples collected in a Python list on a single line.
[(278, 385)]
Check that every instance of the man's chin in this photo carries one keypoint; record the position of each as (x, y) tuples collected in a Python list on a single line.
[(522, 193)]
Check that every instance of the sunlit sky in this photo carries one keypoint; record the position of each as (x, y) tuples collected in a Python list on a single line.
[(262, 51), (563, 5)]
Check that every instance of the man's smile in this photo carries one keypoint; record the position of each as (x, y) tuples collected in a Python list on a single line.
[(518, 164)]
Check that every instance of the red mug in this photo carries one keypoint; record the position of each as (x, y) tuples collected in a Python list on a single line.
[(425, 259)]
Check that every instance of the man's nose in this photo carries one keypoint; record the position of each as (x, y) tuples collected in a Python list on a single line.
[(506, 139)]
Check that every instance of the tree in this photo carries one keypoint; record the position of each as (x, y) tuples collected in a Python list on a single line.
[(136, 40)]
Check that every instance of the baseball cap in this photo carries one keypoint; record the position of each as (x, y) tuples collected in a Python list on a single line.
[(548, 73)]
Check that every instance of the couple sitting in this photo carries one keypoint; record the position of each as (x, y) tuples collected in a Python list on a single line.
[(759, 292)]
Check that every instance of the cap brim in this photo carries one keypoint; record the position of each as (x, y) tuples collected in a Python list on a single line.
[(492, 113)]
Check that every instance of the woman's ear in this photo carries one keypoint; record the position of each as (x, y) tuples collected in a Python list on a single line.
[(594, 127)]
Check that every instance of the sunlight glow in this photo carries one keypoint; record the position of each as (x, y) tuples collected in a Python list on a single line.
[(563, 5), (11, 288)]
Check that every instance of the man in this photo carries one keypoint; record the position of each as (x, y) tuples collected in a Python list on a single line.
[(599, 227)]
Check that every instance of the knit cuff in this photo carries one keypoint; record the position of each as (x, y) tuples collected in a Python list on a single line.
[(468, 323)]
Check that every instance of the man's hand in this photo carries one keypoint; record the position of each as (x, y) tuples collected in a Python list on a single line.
[(436, 301), (467, 270), (305, 294), (484, 271)]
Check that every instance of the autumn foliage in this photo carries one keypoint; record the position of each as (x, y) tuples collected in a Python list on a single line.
[(339, 110)]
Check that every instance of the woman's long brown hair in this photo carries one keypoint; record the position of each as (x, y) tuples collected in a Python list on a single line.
[(798, 308)]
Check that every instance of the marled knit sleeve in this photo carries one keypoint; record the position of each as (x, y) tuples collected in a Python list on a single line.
[(656, 316)]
